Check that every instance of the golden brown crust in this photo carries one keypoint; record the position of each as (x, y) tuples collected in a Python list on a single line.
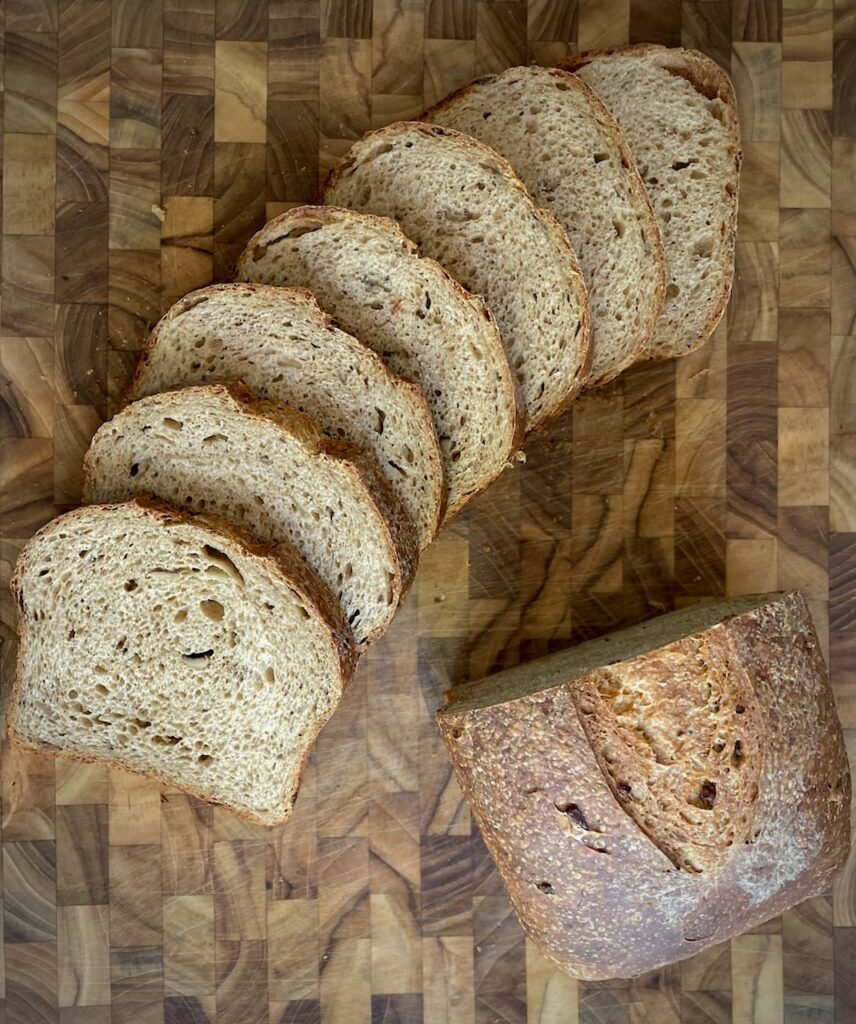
[(640, 196), (280, 227), (402, 538), (281, 559), (708, 78), (591, 888), (490, 157)]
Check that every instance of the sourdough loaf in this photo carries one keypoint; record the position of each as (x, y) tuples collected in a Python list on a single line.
[(463, 205), (427, 329), (175, 647), (570, 153), (660, 790), (285, 348), (217, 448), (678, 113)]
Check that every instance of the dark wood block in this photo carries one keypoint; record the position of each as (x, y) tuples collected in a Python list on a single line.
[(447, 880), (81, 253), (28, 285), (188, 47), (136, 985), (242, 19), (81, 854), (239, 200), (135, 98), (29, 881), (242, 996), (137, 23), (350, 19), (30, 80), (292, 151)]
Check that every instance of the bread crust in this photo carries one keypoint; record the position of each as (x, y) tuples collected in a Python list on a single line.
[(708, 78), (641, 200), (402, 539), (325, 321), (595, 892), (279, 227), (554, 229), (281, 559)]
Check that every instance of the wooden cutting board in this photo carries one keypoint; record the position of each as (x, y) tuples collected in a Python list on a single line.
[(144, 141)]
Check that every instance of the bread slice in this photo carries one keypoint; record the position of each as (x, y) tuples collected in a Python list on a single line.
[(217, 448), (679, 116), (463, 205), (687, 776), (428, 330), (569, 152), (172, 646), (285, 348)]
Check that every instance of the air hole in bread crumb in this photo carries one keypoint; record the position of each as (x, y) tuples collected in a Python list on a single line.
[(213, 438), (101, 689), (618, 227), (212, 610), (672, 291), (205, 758), (737, 754), (600, 157), (381, 417), (269, 675), (196, 655), (166, 741), (706, 796), (180, 615), (172, 424), (131, 585), (135, 468), (545, 887)]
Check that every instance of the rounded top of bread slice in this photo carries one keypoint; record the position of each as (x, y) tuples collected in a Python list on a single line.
[(569, 152), (463, 205), (371, 278), (177, 648), (269, 469), (285, 348), (678, 113)]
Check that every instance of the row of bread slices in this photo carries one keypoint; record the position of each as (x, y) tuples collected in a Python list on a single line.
[(470, 303)]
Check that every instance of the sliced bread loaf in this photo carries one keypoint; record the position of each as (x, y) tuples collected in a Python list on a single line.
[(217, 448), (427, 329), (285, 348), (463, 205), (679, 116), (569, 152), (172, 646), (654, 792)]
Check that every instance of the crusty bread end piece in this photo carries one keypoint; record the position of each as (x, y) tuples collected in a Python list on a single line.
[(678, 112), (659, 790), (175, 647)]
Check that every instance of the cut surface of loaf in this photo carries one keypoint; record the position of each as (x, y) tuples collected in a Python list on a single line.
[(171, 646), (569, 152), (462, 205), (372, 280), (285, 348), (678, 112), (217, 448), (688, 775)]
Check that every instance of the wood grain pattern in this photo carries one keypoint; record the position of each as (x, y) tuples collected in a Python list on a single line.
[(144, 141)]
